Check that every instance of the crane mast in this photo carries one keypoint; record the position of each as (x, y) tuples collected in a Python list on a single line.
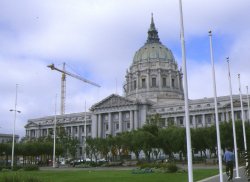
[(63, 83), (63, 91)]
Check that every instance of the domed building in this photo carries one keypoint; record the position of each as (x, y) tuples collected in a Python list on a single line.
[(154, 74), (153, 85)]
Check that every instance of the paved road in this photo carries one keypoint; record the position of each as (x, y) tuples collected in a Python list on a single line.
[(217, 178)]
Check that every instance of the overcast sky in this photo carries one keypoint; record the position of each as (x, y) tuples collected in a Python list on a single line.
[(97, 39)]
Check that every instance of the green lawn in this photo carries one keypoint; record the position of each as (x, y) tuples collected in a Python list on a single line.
[(112, 176)]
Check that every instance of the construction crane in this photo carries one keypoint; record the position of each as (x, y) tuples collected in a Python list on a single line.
[(63, 83)]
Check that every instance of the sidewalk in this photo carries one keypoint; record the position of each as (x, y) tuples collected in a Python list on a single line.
[(217, 177)]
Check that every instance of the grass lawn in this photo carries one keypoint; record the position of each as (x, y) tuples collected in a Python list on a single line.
[(111, 176)]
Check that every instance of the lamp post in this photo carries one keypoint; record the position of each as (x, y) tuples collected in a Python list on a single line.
[(14, 127)]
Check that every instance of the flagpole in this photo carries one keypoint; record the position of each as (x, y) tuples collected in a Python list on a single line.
[(54, 146), (233, 122), (85, 132), (188, 137), (248, 105), (216, 108), (242, 116)]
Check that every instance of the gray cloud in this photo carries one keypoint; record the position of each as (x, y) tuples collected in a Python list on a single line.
[(98, 40)]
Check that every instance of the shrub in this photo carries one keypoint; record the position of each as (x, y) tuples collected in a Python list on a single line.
[(18, 178), (16, 168), (31, 168), (172, 168)]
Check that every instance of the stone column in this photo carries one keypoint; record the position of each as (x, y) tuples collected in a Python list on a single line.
[(222, 116), (136, 119), (148, 79), (159, 79), (94, 126), (131, 120), (120, 121), (227, 116), (194, 121), (137, 84), (178, 81), (203, 120), (170, 79), (110, 124), (79, 134), (99, 125), (71, 131), (175, 121)]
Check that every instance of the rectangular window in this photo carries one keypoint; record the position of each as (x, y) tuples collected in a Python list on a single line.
[(107, 127), (127, 115), (164, 82), (128, 125), (134, 84), (173, 85), (153, 82), (143, 83), (199, 119), (117, 126)]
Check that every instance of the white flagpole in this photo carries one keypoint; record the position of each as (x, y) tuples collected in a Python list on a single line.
[(216, 109), (233, 122), (248, 105), (85, 132), (242, 116), (188, 137), (54, 146)]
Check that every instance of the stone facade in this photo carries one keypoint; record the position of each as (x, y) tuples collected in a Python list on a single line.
[(153, 84), (8, 138)]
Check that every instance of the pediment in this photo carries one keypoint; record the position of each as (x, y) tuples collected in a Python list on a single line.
[(31, 124), (112, 101)]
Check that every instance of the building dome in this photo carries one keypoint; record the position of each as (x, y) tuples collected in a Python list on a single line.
[(154, 74), (153, 51)]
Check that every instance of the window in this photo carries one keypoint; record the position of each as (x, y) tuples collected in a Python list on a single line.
[(117, 126), (134, 84), (107, 127), (106, 117), (199, 119), (143, 83), (173, 85), (127, 115), (164, 82), (209, 119), (128, 125), (89, 129), (116, 116), (153, 82), (75, 129)]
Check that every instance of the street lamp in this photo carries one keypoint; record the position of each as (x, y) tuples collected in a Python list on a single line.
[(14, 127)]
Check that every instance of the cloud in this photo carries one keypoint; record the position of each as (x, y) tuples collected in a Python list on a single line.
[(98, 39)]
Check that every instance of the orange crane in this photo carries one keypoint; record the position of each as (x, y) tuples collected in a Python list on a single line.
[(63, 83)]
